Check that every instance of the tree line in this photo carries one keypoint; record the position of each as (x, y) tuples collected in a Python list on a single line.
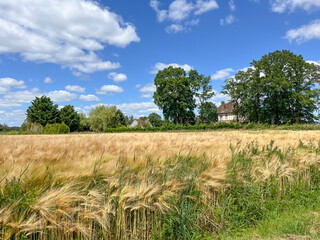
[(280, 88), (44, 116)]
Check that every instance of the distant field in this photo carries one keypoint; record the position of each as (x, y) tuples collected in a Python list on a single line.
[(135, 185)]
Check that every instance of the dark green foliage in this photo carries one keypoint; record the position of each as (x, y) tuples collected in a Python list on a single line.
[(5, 128), (208, 112), (143, 118), (43, 111), (84, 124), (174, 95), (56, 128), (121, 117), (70, 117), (280, 88), (155, 119)]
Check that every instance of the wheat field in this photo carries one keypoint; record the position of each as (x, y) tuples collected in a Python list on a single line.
[(127, 185)]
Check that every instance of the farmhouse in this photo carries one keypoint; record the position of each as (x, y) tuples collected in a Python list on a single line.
[(141, 123), (225, 112)]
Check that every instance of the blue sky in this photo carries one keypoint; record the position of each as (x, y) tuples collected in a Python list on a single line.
[(84, 52)]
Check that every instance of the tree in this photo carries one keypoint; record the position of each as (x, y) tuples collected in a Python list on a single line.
[(43, 111), (70, 117), (155, 120), (121, 117), (143, 118), (102, 117), (208, 112), (174, 95), (277, 89), (84, 124)]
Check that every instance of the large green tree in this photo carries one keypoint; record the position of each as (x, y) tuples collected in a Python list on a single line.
[(102, 117), (70, 117), (155, 119), (174, 95), (279, 88), (43, 111)]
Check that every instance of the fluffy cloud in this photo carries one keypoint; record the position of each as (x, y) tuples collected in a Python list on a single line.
[(181, 10), (139, 109), (48, 80), (227, 20), (148, 90), (222, 74), (175, 28), (12, 118), (109, 89), (16, 99), (117, 77), (89, 98), (305, 32), (61, 96), (281, 6), (63, 32), (75, 88), (9, 83), (161, 66)]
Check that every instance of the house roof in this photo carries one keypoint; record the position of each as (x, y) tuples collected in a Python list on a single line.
[(225, 108)]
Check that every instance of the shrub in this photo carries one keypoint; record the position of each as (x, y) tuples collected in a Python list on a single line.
[(31, 127), (56, 128)]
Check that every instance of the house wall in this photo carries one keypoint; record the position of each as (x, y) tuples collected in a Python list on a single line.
[(227, 118), (134, 124)]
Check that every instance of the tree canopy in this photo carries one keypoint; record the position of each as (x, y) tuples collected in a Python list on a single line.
[(279, 88), (70, 117), (176, 93), (102, 117), (155, 119), (43, 111)]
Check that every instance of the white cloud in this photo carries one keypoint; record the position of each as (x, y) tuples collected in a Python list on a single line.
[(205, 6), (314, 62), (48, 80), (175, 28), (61, 96), (13, 118), (227, 20), (9, 83), (16, 99), (146, 95), (109, 89), (182, 10), (89, 98), (139, 109), (117, 77), (305, 32), (63, 32), (281, 6), (149, 88), (222, 74), (161, 66), (232, 5), (75, 88)]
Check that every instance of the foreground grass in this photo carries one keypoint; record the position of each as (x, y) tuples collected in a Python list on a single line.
[(258, 192)]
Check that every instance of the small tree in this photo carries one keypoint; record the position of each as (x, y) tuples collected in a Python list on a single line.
[(43, 111), (70, 117), (84, 124), (121, 117), (208, 112), (102, 117), (155, 120)]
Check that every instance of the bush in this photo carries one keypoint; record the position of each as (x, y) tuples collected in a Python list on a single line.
[(56, 128), (30, 127)]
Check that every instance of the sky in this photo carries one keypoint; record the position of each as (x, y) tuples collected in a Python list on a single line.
[(86, 52)]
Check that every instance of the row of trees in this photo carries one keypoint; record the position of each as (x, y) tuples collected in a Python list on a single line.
[(279, 88), (43, 113)]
